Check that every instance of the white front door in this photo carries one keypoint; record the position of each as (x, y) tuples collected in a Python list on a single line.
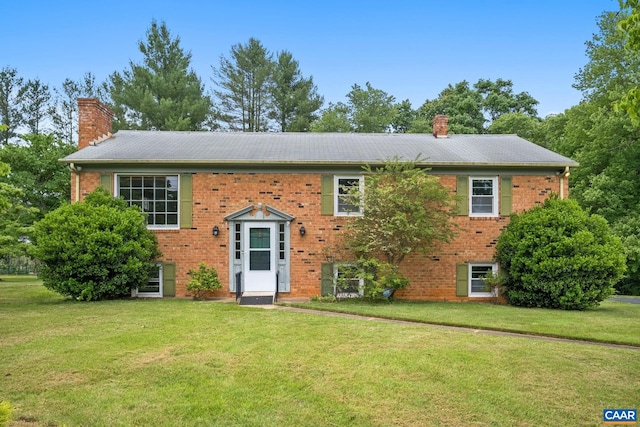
[(259, 257)]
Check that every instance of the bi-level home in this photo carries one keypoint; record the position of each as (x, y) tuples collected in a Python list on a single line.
[(265, 209)]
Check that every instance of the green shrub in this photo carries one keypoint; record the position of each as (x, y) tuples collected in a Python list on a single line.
[(5, 413), (96, 249), (558, 256), (203, 280)]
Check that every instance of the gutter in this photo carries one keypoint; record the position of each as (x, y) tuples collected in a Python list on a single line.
[(253, 162), (76, 171), (564, 174)]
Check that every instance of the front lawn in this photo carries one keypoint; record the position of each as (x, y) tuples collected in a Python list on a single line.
[(186, 363), (612, 322)]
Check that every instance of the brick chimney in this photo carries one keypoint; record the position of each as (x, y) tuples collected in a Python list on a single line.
[(440, 122), (94, 122)]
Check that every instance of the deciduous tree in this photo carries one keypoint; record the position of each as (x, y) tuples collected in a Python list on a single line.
[(405, 211), (370, 109)]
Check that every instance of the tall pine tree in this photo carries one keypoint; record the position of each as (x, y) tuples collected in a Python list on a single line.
[(162, 92)]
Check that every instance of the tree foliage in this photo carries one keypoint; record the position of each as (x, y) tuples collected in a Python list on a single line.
[(35, 105), (243, 86), (64, 112), (162, 92), (559, 256), (294, 98), (460, 103), (498, 98), (10, 116), (405, 211), (95, 249), (334, 118), (44, 181), (630, 28), (370, 109)]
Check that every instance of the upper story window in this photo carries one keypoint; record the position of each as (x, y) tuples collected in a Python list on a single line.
[(483, 196), (343, 203), (155, 195)]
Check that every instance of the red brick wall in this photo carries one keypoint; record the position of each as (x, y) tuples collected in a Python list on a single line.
[(218, 195)]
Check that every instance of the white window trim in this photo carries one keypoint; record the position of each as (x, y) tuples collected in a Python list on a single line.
[(494, 268), (336, 194), (116, 193), (136, 293), (495, 212), (360, 293)]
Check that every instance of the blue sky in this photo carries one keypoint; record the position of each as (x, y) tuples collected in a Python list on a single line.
[(410, 49)]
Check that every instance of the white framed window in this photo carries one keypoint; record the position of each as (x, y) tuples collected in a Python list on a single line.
[(153, 288), (477, 271), (483, 196), (156, 195), (342, 200), (346, 284)]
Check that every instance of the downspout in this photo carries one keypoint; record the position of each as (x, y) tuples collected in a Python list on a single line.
[(76, 171), (563, 175)]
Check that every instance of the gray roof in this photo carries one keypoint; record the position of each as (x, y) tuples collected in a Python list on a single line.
[(236, 148)]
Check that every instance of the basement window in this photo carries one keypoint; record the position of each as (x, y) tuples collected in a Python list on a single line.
[(477, 271)]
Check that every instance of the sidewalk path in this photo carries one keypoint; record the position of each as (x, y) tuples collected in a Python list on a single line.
[(455, 328)]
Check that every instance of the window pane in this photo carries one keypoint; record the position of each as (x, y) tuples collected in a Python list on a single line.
[(482, 187), (172, 219), (172, 182), (477, 273), (260, 260), (136, 181), (259, 238), (482, 204)]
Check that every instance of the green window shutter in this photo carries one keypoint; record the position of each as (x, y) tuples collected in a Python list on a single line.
[(505, 195), (462, 195), (326, 199), (168, 279), (186, 201), (462, 280), (106, 182), (326, 286)]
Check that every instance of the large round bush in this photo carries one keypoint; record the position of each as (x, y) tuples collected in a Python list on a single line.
[(558, 256), (95, 249)]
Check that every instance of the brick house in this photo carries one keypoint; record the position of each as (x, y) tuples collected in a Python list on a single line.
[(265, 208)]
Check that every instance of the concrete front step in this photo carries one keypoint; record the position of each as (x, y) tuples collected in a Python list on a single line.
[(257, 298)]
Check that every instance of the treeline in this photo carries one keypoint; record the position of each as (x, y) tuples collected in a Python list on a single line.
[(256, 90)]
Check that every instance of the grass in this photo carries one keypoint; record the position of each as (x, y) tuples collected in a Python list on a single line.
[(611, 322), (186, 363)]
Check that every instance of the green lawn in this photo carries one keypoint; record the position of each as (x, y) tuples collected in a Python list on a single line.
[(185, 363), (611, 322)]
